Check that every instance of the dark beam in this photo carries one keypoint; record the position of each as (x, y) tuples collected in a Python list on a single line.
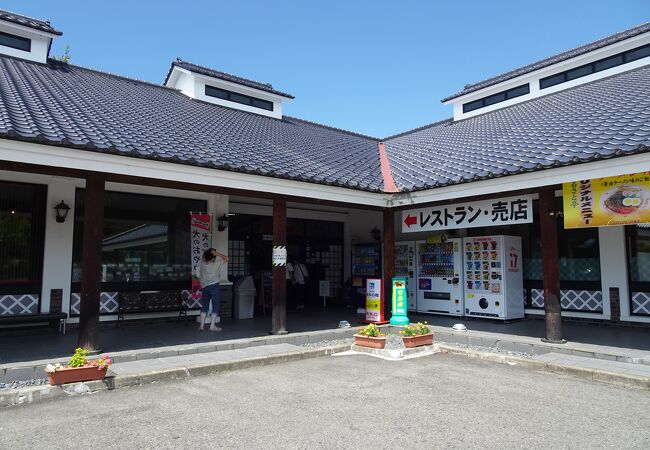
[(550, 265), (91, 262), (389, 259), (279, 314)]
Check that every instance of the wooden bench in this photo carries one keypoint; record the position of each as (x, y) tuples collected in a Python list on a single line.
[(53, 319), (150, 302)]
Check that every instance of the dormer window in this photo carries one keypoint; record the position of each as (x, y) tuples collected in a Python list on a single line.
[(17, 42), (596, 66), (238, 98), (497, 98)]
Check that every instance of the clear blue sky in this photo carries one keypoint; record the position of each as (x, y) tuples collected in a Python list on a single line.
[(375, 67)]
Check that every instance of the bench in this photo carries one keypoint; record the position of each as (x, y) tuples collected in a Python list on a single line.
[(150, 302), (51, 318)]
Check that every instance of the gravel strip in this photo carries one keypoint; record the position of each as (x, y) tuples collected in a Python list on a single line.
[(487, 349), (23, 383), (330, 343)]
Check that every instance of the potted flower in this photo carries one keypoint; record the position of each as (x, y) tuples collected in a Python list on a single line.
[(370, 336), (417, 335), (78, 369)]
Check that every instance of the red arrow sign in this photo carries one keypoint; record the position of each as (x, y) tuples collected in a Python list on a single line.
[(410, 220)]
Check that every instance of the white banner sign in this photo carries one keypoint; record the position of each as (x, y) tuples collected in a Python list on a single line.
[(483, 213), (279, 255), (200, 228)]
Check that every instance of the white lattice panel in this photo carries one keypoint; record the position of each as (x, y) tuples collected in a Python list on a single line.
[(189, 301), (572, 299), (11, 305), (641, 303), (107, 303)]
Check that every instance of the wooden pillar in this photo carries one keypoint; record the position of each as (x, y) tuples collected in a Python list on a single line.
[(389, 259), (550, 265), (279, 314), (91, 262)]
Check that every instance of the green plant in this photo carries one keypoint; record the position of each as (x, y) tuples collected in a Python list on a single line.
[(371, 330), (417, 329), (79, 358)]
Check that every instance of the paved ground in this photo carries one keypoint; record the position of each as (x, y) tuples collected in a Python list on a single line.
[(34, 344), (345, 402)]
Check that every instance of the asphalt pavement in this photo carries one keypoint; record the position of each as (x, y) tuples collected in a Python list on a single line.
[(439, 401)]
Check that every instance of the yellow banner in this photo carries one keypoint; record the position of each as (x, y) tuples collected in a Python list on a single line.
[(620, 200)]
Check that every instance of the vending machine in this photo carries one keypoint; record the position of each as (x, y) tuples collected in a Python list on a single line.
[(493, 277), (440, 277), (405, 267), (366, 263)]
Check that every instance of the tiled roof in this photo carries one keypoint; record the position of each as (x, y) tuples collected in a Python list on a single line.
[(41, 25), (224, 76), (604, 42), (66, 105), (599, 120)]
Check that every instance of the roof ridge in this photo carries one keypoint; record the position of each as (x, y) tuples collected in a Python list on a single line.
[(354, 133), (553, 59), (420, 128), (56, 62)]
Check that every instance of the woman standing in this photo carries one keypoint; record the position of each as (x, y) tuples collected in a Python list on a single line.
[(210, 274)]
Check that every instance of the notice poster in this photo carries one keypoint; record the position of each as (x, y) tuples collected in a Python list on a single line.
[(620, 200), (373, 300), (200, 238)]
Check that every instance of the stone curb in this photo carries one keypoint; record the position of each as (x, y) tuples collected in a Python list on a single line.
[(583, 373), (35, 394)]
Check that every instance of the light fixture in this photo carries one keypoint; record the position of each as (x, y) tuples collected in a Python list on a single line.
[(375, 233), (222, 222), (556, 213), (62, 211)]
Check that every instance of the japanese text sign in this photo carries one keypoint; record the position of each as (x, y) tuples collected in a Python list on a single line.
[(200, 227), (620, 200), (373, 300), (482, 213)]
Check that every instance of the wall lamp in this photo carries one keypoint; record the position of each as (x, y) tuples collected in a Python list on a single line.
[(62, 211), (375, 233), (556, 213), (222, 222)]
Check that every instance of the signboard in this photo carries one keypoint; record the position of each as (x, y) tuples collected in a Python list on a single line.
[(483, 213), (374, 307), (399, 316), (620, 200), (279, 255), (323, 288), (200, 232)]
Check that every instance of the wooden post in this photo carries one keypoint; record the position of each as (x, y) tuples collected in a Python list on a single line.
[(91, 262), (389, 259), (279, 313), (550, 266)]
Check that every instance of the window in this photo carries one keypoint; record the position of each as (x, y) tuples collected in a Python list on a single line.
[(146, 241), (212, 91), (17, 42), (639, 255), (22, 232), (597, 66), (497, 98)]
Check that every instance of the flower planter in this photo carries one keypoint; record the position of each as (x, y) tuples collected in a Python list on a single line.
[(74, 374), (418, 341), (370, 342)]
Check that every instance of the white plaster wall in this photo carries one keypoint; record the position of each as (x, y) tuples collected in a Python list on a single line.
[(40, 42), (57, 254)]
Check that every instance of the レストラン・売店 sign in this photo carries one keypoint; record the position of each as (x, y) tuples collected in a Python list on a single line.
[(483, 213)]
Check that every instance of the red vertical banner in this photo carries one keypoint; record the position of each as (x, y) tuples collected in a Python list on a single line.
[(200, 238)]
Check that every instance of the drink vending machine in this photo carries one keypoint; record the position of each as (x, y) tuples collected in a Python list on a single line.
[(405, 267), (366, 263), (493, 277), (439, 272)]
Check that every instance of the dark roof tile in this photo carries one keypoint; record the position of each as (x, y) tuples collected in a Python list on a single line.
[(37, 24)]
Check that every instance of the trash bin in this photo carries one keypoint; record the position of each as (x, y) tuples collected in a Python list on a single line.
[(244, 291)]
